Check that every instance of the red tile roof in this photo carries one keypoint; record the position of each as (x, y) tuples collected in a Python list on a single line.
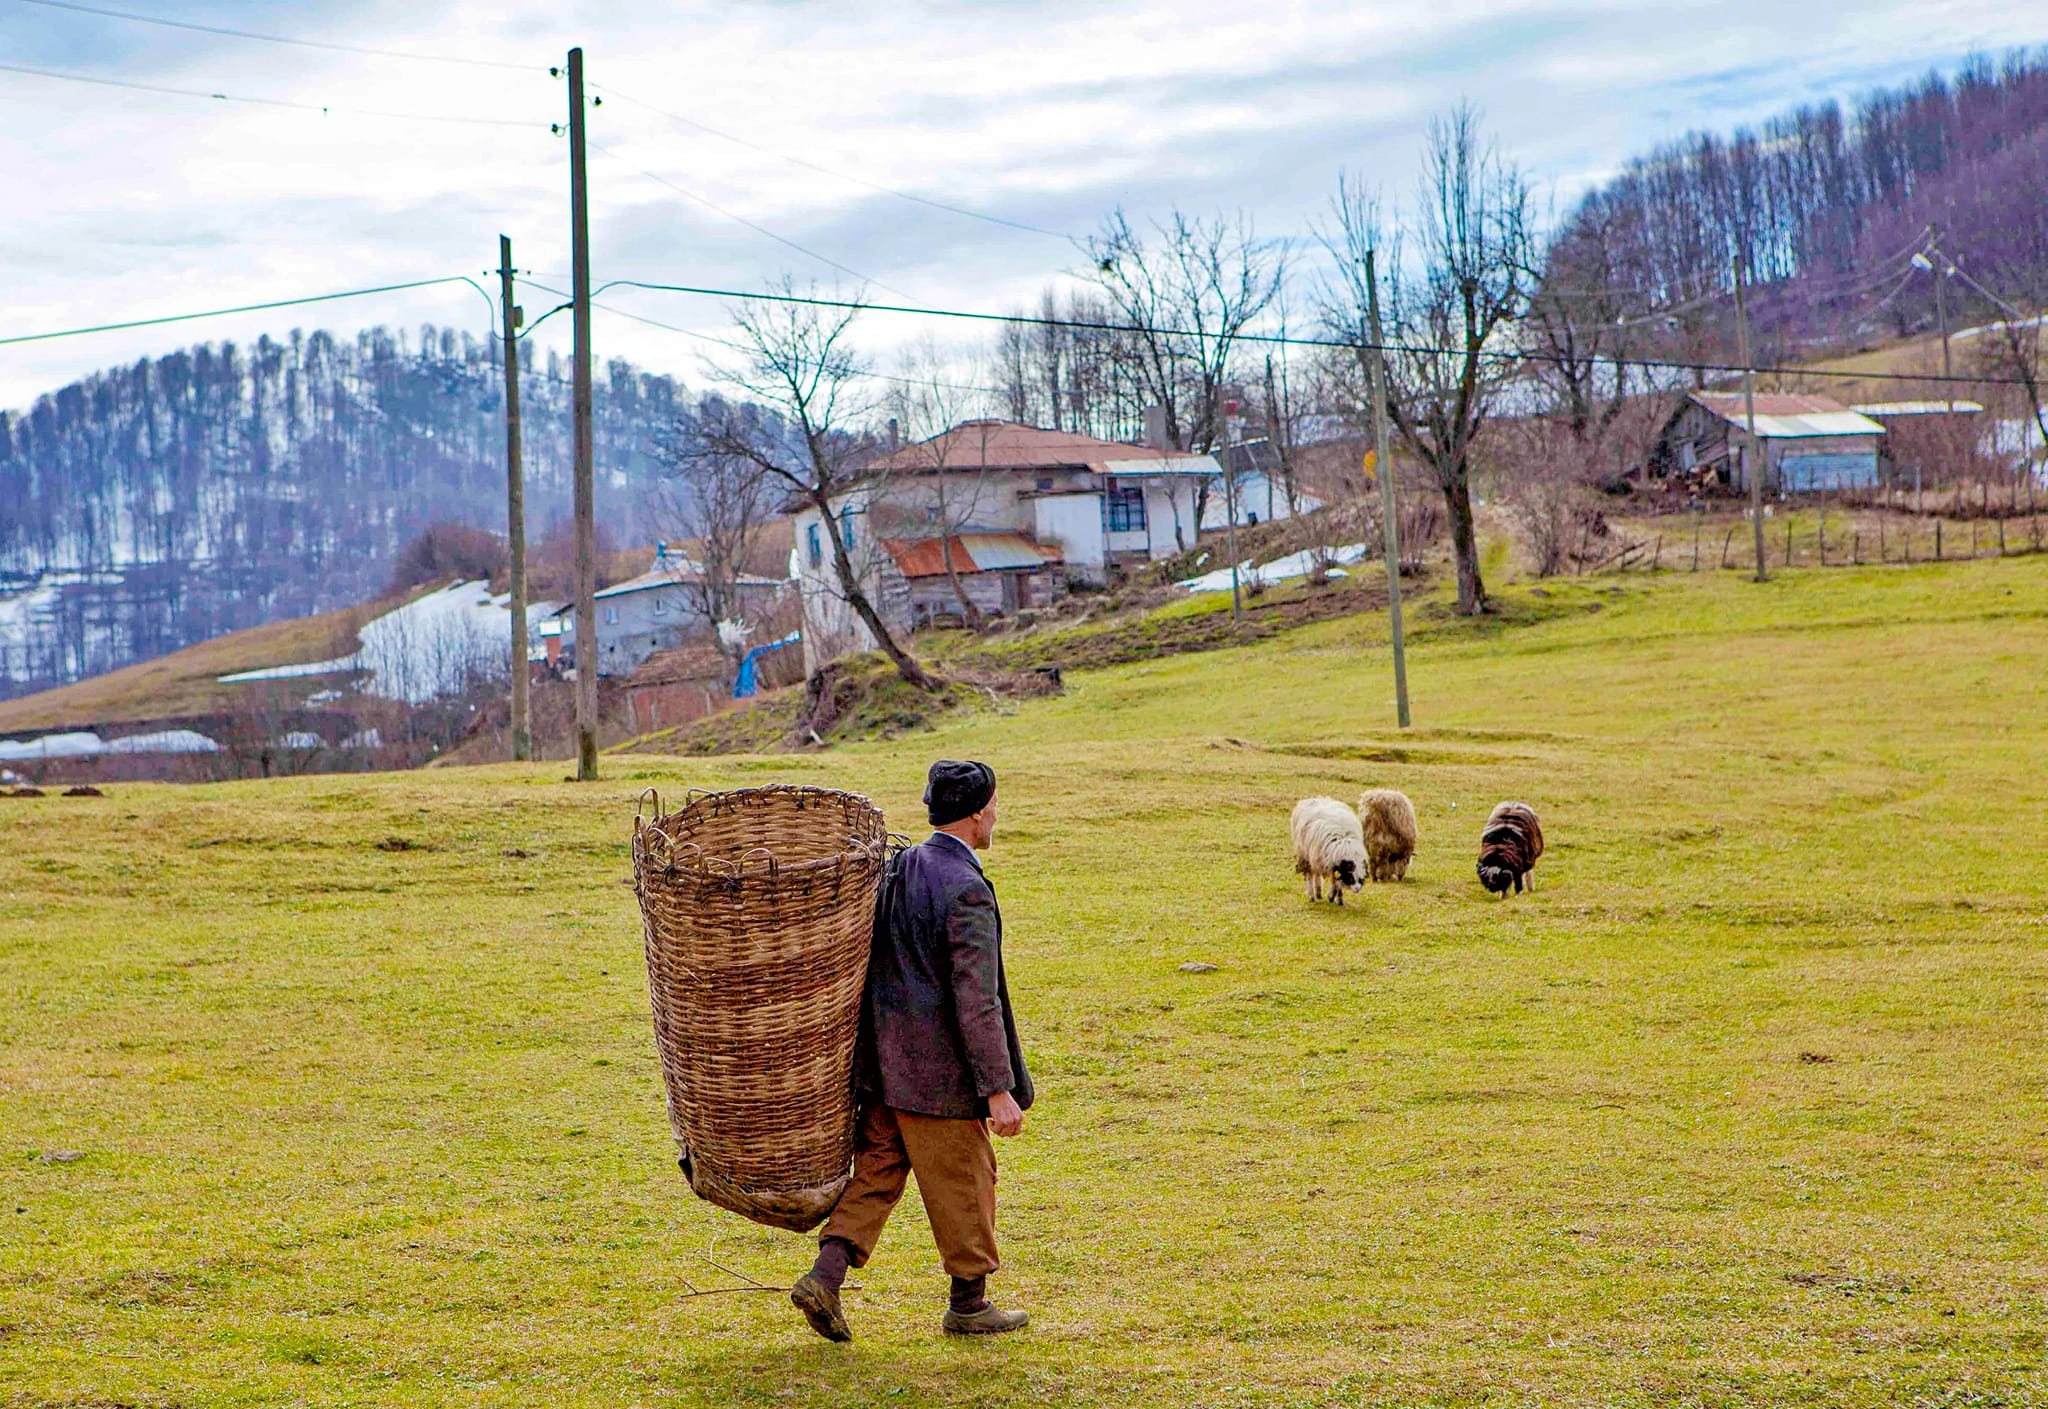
[(1007, 445)]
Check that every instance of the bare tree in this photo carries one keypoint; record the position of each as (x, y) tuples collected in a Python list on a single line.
[(1585, 325), (1285, 390), (1448, 318), (2011, 350), (716, 503), (1183, 299), (947, 445), (1070, 368), (798, 359)]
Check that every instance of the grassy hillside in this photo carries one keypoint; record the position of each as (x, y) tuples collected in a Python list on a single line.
[(186, 683), (341, 1090)]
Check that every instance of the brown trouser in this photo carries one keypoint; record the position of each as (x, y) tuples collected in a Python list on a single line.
[(956, 1177)]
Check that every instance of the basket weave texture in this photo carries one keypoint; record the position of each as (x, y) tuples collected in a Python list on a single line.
[(758, 908)]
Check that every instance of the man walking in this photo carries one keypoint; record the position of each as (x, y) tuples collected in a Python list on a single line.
[(940, 1064)]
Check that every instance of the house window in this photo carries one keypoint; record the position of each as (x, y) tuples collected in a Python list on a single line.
[(817, 543), (846, 526), (661, 606), (1045, 481), (1126, 509), (611, 616)]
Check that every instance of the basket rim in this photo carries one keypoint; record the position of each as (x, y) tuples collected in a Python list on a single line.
[(652, 834)]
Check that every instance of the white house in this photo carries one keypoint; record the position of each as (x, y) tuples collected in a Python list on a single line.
[(1018, 512), (655, 611)]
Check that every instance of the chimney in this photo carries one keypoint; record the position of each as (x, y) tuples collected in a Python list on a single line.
[(895, 436), (1155, 428)]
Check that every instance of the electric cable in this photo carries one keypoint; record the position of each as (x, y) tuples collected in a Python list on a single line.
[(322, 108), (278, 38), (245, 308), (809, 165), (1346, 344)]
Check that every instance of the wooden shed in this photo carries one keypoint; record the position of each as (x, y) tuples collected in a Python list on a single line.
[(1809, 443)]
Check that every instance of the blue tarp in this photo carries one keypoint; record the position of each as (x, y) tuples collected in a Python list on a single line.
[(748, 681)]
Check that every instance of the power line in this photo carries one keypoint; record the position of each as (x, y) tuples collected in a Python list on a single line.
[(1279, 339), (322, 108), (245, 308), (731, 346), (278, 38), (758, 229), (808, 165)]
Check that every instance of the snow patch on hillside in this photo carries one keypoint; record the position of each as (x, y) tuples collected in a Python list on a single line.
[(438, 644), (1279, 570)]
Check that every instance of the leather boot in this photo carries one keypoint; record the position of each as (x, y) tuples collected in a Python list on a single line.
[(820, 1306), (989, 1321)]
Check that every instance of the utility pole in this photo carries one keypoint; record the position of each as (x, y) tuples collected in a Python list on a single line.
[(1754, 450), (1230, 509), (515, 504), (586, 473), (1389, 503), (1941, 272)]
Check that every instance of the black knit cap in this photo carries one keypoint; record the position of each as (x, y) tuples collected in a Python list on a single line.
[(954, 790)]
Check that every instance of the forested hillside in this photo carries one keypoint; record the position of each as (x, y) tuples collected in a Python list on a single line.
[(157, 504), (1827, 204)]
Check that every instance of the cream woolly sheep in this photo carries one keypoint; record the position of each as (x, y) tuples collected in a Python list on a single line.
[(1328, 843), (1389, 822)]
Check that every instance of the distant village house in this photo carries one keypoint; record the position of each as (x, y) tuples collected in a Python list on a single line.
[(659, 610)]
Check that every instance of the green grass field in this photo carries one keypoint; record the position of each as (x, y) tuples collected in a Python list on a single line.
[(1743, 1106)]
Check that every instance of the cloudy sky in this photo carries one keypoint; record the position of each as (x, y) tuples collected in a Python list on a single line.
[(124, 204)]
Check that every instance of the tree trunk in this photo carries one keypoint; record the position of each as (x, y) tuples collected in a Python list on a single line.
[(857, 598), (969, 613), (1464, 541)]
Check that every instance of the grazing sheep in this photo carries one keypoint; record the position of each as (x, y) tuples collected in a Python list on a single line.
[(1328, 842), (1509, 846), (1389, 821)]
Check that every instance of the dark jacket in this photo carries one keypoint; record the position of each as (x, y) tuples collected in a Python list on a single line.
[(938, 1034)]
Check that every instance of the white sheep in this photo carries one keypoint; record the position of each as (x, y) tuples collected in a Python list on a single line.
[(1328, 843), (1389, 821)]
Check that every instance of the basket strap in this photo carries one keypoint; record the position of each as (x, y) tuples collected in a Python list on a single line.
[(646, 793)]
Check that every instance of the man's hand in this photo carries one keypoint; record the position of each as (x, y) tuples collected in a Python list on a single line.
[(1005, 1116)]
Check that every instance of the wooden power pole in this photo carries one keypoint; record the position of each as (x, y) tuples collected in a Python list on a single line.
[(1754, 451), (586, 472), (1229, 439), (515, 505), (1383, 463)]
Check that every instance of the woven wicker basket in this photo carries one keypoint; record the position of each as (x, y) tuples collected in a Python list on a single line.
[(758, 907)]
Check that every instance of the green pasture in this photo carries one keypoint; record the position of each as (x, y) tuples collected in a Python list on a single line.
[(341, 1090)]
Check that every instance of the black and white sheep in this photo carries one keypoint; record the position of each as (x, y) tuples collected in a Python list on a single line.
[(1508, 848), (1329, 845), (1389, 821)]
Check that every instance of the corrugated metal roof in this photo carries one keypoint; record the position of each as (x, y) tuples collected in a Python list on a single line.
[(1781, 416), (1882, 409), (972, 552), (679, 576), (1201, 465)]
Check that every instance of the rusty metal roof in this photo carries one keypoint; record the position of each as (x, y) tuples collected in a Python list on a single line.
[(972, 552), (1783, 416)]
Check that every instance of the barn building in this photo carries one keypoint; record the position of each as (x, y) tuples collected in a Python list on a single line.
[(1809, 443)]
